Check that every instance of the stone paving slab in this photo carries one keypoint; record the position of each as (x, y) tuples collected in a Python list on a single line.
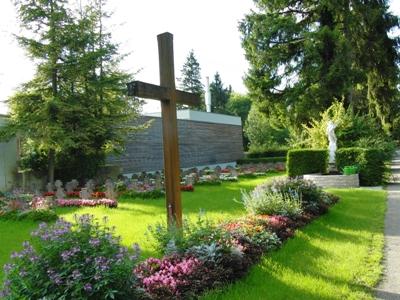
[(389, 288)]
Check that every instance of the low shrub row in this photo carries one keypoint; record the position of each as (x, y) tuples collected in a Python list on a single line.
[(267, 153), (261, 160), (150, 194), (306, 161), (43, 215)]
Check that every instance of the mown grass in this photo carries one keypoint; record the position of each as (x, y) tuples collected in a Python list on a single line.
[(133, 216), (335, 257)]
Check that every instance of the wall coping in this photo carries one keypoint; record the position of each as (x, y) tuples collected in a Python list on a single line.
[(202, 116)]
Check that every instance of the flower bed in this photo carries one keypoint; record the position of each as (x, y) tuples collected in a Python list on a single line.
[(201, 255), (86, 202)]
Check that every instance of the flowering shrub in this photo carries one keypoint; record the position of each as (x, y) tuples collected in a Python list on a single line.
[(99, 195), (311, 195), (86, 202), (176, 241), (281, 226), (83, 260), (171, 277), (49, 194), (263, 202), (187, 188)]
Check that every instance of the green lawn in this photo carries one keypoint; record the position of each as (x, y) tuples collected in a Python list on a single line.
[(335, 257)]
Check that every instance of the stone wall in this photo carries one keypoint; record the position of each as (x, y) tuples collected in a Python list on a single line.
[(200, 143), (334, 181)]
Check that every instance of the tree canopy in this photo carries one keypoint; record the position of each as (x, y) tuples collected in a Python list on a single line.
[(74, 110), (305, 54)]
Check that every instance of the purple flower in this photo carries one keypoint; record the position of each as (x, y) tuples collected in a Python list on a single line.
[(88, 287), (76, 274), (8, 267), (94, 242)]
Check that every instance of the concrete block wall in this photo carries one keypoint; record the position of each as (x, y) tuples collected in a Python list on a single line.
[(200, 143), (8, 161)]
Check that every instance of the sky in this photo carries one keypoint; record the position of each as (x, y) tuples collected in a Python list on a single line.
[(209, 27)]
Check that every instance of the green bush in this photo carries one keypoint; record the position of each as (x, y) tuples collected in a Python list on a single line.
[(261, 160), (261, 202), (371, 163), (313, 198), (83, 260), (43, 215), (306, 161)]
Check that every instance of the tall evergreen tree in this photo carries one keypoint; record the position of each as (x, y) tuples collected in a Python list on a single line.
[(219, 95), (305, 54), (190, 80), (74, 110)]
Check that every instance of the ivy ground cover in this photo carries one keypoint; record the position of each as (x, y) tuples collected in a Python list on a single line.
[(335, 257)]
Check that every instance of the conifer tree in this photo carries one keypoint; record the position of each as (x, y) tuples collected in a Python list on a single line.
[(190, 80), (74, 110), (219, 95), (305, 54)]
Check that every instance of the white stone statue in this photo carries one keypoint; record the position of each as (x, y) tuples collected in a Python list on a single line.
[(330, 131)]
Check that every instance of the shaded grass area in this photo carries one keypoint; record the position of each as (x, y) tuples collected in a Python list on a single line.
[(335, 257), (134, 215)]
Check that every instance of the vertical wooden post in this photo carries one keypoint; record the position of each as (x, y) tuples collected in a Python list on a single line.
[(170, 130)]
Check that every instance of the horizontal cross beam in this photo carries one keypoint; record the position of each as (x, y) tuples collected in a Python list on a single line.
[(155, 92)]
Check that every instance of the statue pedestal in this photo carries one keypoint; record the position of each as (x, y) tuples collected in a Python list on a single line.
[(332, 168)]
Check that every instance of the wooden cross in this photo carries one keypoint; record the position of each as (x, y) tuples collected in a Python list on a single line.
[(168, 96)]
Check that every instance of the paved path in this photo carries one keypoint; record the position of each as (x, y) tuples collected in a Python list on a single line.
[(389, 288)]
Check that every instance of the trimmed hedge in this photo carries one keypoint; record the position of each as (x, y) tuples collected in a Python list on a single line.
[(371, 163), (306, 161), (267, 153), (261, 160)]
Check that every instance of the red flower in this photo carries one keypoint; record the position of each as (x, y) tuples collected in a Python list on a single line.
[(187, 188)]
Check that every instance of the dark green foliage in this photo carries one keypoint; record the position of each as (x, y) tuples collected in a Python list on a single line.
[(154, 194), (239, 105), (208, 182), (370, 162), (219, 95), (43, 215), (306, 161), (190, 80), (264, 132), (267, 153), (261, 160), (305, 54)]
